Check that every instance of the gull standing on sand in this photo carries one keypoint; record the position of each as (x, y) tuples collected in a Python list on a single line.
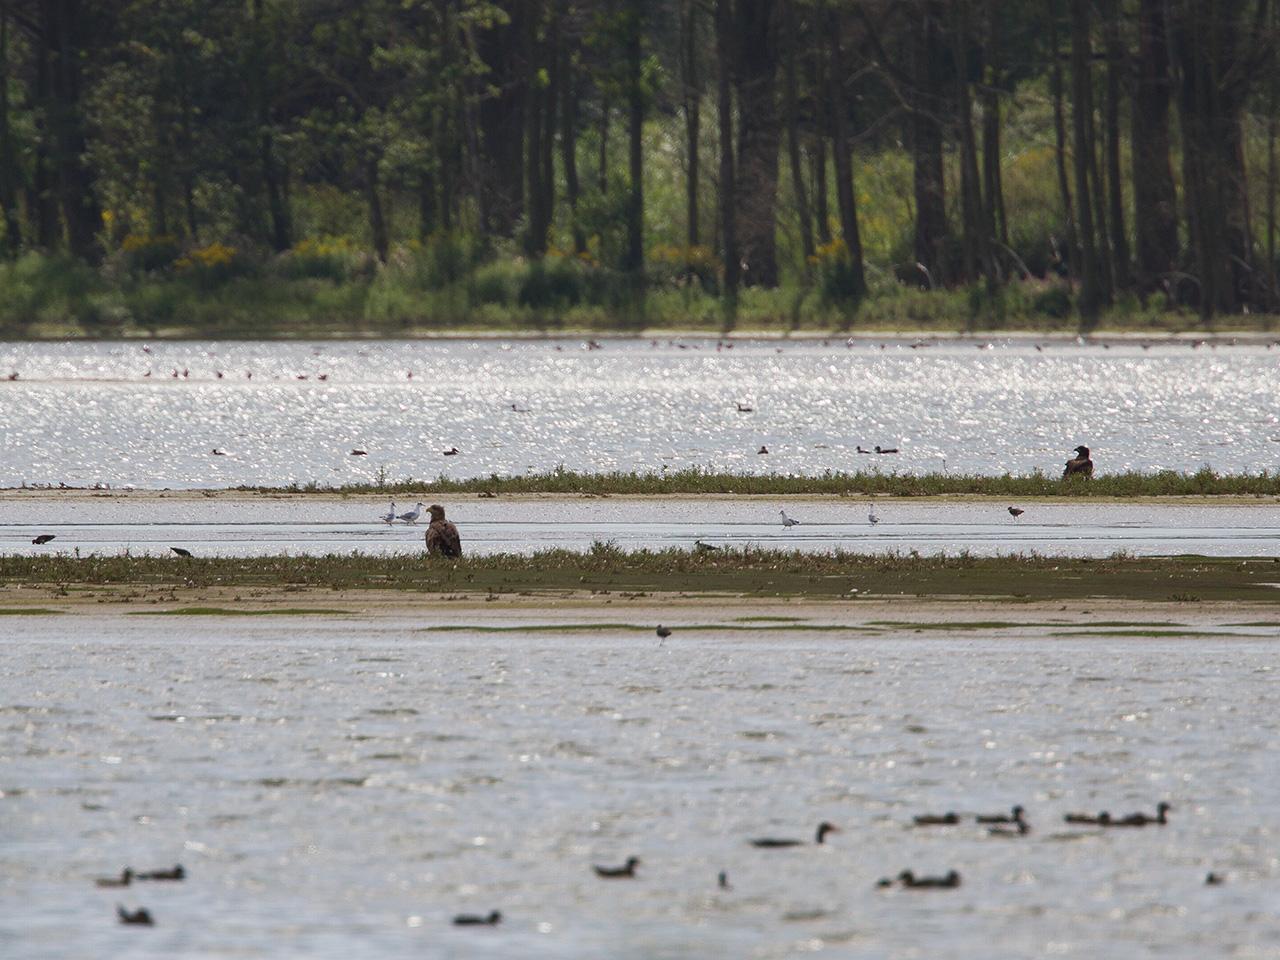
[(787, 521), (871, 515), (412, 515), (390, 516)]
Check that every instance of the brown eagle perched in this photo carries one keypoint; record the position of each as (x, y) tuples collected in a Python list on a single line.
[(1080, 464), (442, 536)]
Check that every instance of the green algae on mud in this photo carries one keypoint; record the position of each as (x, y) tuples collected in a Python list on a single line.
[(606, 570), (236, 612)]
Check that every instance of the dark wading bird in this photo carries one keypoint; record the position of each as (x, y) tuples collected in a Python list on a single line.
[(774, 843), (625, 872), (181, 551), (43, 539), (442, 536), (478, 920), (1079, 465), (1016, 511), (663, 633), (138, 918)]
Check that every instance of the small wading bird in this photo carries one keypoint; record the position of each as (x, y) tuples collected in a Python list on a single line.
[(1079, 465), (626, 871), (478, 920), (411, 516), (43, 539), (138, 918), (442, 536), (181, 551), (663, 633), (774, 843), (125, 878), (702, 547), (1016, 511), (788, 521), (390, 516)]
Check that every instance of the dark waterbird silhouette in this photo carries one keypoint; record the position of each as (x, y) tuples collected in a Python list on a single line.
[(949, 881), (492, 919), (43, 539), (1143, 819), (745, 408), (359, 453), (625, 872), (1102, 819), (1013, 816), (722, 881), (886, 449), (177, 873), (773, 843), (451, 452), (763, 449), (663, 633), (138, 918), (125, 878), (1080, 465), (181, 551), (1214, 879), (947, 819), (1016, 511)]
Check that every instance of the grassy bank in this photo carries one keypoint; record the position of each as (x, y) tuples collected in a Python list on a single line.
[(698, 482), (334, 290), (606, 569)]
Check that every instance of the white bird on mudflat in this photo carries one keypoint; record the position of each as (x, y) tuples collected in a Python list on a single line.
[(871, 517), (413, 515), (788, 521), (390, 516)]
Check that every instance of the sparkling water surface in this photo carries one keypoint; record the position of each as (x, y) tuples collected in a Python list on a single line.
[(84, 413), (339, 788)]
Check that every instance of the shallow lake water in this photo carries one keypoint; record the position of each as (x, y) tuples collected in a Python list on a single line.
[(339, 788), (84, 413), (226, 526)]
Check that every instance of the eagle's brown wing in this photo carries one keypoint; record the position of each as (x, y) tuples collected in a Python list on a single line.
[(443, 539)]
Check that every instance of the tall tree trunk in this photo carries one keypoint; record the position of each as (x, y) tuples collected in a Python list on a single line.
[(427, 198), (1115, 182), (635, 129), (1071, 251), (759, 138), (691, 90), (8, 170), (602, 162), (821, 205), (845, 196), (724, 110), (569, 145), (66, 21), (793, 132), (1155, 217), (535, 240), (551, 98), (929, 103), (377, 219), (992, 179), (1090, 302), (977, 231), (501, 121), (43, 203)]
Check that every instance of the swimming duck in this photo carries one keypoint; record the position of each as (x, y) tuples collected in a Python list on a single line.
[(1101, 820), (1213, 879), (451, 452), (442, 536), (763, 449), (771, 843), (627, 870), (1013, 816), (1144, 819), (140, 917), (912, 882), (886, 449), (478, 920), (177, 873), (1080, 464), (936, 820), (745, 408), (125, 878)]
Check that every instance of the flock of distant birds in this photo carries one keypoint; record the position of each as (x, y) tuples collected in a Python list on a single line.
[(1011, 825)]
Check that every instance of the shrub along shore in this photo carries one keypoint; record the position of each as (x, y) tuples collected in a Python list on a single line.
[(606, 569), (695, 481)]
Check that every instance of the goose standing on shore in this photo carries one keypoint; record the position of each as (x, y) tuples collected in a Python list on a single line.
[(442, 536)]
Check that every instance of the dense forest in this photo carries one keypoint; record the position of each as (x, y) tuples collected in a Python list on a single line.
[(432, 162)]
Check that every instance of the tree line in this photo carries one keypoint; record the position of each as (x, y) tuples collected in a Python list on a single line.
[(531, 124)]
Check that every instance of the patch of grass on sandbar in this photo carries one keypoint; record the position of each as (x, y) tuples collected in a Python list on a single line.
[(27, 612), (697, 481), (234, 612), (606, 569)]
